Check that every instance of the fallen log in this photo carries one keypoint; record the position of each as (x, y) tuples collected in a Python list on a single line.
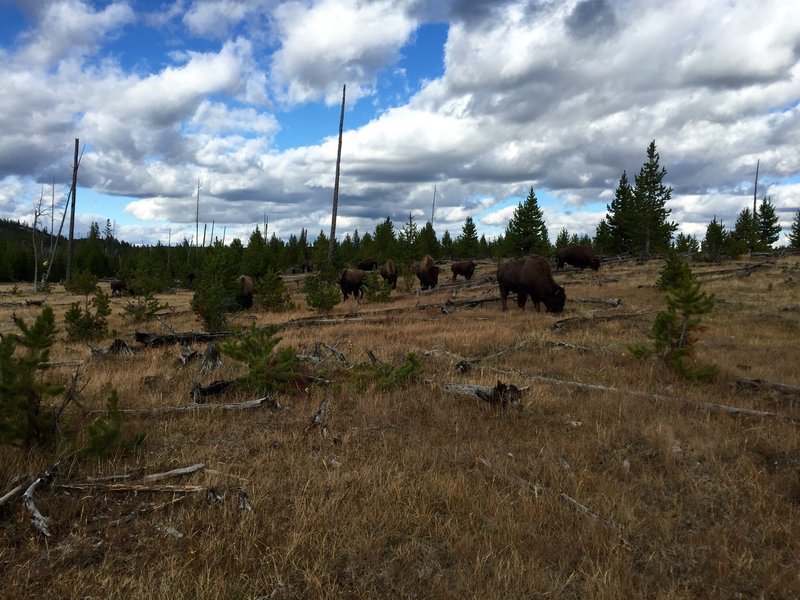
[(38, 520), (569, 322), (14, 492), (186, 338), (134, 487), (270, 401), (595, 300), (502, 394), (174, 472), (763, 384), (199, 393)]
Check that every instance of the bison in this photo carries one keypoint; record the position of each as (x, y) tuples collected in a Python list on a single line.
[(368, 264), (580, 256), (463, 267), (389, 272), (246, 289), (352, 282), (530, 276), (427, 273), (118, 286)]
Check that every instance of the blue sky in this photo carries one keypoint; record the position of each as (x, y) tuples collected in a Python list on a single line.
[(481, 100)]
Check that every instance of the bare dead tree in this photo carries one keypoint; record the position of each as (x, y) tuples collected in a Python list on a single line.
[(71, 246), (39, 211), (54, 246), (332, 241)]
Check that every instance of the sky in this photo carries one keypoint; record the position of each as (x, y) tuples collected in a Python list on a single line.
[(471, 102)]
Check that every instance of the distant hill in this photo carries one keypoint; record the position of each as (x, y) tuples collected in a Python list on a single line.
[(15, 231)]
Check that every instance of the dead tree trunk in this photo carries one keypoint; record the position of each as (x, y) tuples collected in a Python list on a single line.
[(332, 241), (70, 247)]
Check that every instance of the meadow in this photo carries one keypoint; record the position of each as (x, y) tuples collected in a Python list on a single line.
[(611, 477)]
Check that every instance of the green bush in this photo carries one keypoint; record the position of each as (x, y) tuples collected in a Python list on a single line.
[(321, 294), (268, 371), (377, 290), (82, 282), (85, 323), (143, 308), (216, 290), (104, 436), (24, 416), (674, 271), (271, 293)]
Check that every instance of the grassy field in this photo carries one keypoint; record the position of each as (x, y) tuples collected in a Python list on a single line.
[(612, 478)]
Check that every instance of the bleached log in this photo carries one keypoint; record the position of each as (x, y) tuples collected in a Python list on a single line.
[(14, 492), (763, 384), (266, 400), (501, 394), (61, 363), (174, 472), (564, 323), (38, 520), (134, 487), (593, 299)]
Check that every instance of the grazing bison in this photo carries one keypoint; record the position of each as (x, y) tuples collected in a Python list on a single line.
[(368, 264), (427, 273), (463, 267), (580, 256), (352, 282), (389, 272), (306, 266), (118, 286), (530, 276), (246, 289)]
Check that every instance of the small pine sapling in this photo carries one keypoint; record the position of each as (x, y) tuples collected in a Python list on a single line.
[(105, 435), (321, 294), (271, 293), (268, 371)]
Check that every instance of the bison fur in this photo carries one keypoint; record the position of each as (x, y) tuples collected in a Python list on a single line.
[(580, 256), (352, 281), (530, 276), (246, 290), (368, 264), (463, 267), (389, 273), (427, 273)]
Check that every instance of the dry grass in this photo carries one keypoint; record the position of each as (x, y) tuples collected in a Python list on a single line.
[(396, 500)]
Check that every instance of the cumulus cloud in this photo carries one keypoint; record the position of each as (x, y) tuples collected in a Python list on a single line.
[(562, 96)]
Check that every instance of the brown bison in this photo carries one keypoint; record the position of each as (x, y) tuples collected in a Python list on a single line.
[(246, 290), (530, 276), (118, 286), (580, 256), (389, 272), (368, 264), (352, 282), (427, 273), (463, 267)]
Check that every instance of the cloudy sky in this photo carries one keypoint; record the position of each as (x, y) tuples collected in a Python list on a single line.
[(478, 100)]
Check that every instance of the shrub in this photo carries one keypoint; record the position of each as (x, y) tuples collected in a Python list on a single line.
[(272, 294), (268, 371), (377, 289), (675, 269), (24, 416), (105, 436), (82, 282), (83, 324), (144, 308), (215, 294), (321, 294)]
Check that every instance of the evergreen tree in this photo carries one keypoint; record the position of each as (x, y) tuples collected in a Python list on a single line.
[(621, 219), (563, 238), (794, 233), (526, 233), (385, 241), (767, 224), (255, 258), (427, 242), (650, 199), (686, 244), (447, 245), (603, 241), (716, 240), (467, 245), (483, 246), (408, 240), (745, 235)]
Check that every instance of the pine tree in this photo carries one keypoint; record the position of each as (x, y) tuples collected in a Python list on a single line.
[(447, 245), (686, 244), (650, 199), (716, 240), (767, 224), (745, 235), (467, 245), (603, 241), (621, 219), (563, 238), (427, 242), (408, 240), (385, 241), (526, 233), (794, 233), (255, 258)]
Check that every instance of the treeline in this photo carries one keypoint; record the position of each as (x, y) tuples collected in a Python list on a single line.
[(636, 223)]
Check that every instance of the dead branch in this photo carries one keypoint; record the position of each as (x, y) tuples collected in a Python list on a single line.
[(566, 346), (134, 487), (199, 393), (740, 271), (61, 363), (211, 360), (270, 401), (592, 299), (38, 520), (142, 510), (318, 420), (710, 406), (13, 493), (189, 337), (373, 359), (187, 353), (763, 384), (453, 305), (501, 394), (565, 323), (174, 472), (334, 351)]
